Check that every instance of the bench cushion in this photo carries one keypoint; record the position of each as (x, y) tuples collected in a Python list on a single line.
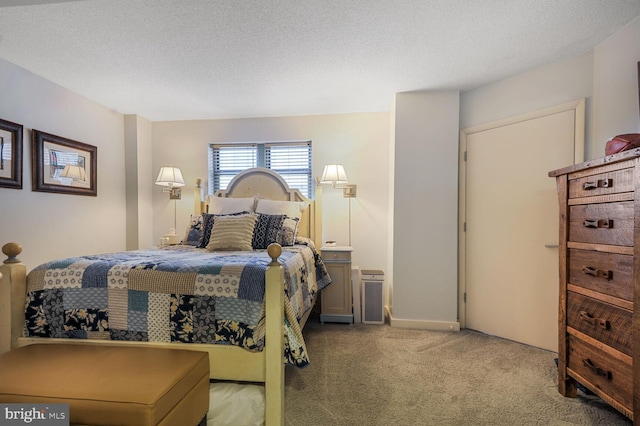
[(109, 385)]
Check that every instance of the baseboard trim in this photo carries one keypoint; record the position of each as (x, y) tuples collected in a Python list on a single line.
[(420, 324)]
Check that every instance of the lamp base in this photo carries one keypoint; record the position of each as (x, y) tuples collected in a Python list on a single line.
[(172, 238), (175, 194), (349, 191)]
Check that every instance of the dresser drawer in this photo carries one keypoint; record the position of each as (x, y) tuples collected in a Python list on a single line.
[(606, 323), (339, 256), (608, 273), (613, 182), (602, 371), (607, 223)]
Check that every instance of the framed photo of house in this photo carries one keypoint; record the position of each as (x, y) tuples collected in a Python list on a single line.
[(10, 155), (63, 165)]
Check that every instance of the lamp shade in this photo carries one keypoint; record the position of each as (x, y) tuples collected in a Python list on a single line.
[(74, 172), (170, 176), (334, 174)]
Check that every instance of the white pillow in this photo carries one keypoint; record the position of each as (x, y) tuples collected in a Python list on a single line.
[(293, 209), (222, 205)]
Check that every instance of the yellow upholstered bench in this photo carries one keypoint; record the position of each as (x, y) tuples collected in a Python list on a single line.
[(110, 385)]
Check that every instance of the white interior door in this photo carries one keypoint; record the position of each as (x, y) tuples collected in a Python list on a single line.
[(511, 214)]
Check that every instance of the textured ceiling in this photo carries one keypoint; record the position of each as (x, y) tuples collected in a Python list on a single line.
[(201, 59)]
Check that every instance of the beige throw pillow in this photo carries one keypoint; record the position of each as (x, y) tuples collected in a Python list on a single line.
[(232, 233)]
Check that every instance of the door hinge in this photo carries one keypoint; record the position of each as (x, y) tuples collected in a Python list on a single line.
[(464, 297), (465, 156), (464, 227)]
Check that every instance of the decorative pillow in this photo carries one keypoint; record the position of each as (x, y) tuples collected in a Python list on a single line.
[(207, 225), (267, 229), (293, 209), (288, 232), (205, 235), (232, 233), (194, 231), (221, 205)]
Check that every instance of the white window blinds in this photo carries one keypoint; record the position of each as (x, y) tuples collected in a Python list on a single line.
[(292, 160)]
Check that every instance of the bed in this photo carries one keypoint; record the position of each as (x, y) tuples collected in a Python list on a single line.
[(212, 293)]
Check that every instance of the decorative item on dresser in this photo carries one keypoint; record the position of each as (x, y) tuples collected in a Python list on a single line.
[(599, 327)]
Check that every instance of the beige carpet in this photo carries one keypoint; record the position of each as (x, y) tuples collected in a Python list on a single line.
[(378, 375)]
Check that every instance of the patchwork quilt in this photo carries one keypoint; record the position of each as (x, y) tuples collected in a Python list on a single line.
[(174, 294)]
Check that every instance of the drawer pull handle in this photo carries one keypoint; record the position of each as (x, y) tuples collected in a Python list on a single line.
[(596, 370), (599, 273), (602, 323), (600, 183), (598, 223)]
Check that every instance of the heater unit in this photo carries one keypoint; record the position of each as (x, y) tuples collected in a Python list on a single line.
[(372, 296)]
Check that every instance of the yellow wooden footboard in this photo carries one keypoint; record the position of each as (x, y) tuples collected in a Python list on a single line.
[(226, 362)]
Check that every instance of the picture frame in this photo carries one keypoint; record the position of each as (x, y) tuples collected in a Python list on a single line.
[(10, 154), (63, 165)]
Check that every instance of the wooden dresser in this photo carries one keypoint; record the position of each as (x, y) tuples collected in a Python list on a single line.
[(600, 279)]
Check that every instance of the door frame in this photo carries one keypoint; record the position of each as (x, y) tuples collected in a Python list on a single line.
[(578, 106)]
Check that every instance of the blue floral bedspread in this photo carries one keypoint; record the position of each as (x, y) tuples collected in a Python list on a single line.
[(174, 294)]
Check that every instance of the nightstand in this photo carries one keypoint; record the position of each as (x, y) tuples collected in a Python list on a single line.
[(336, 300)]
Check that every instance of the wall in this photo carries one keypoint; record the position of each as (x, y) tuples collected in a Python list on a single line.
[(139, 171), (358, 141), (389, 274), (543, 87), (606, 76), (425, 216), (51, 225), (615, 87)]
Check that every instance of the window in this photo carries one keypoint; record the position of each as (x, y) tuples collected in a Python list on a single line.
[(292, 160)]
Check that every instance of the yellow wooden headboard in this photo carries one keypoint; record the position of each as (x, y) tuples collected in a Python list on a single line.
[(266, 183)]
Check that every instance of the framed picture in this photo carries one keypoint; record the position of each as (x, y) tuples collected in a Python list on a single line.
[(10, 155), (63, 165)]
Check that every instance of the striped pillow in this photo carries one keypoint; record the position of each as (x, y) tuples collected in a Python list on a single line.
[(207, 225), (232, 233)]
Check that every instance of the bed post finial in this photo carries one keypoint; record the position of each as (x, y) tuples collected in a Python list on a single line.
[(13, 289), (12, 250), (274, 250), (198, 207)]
